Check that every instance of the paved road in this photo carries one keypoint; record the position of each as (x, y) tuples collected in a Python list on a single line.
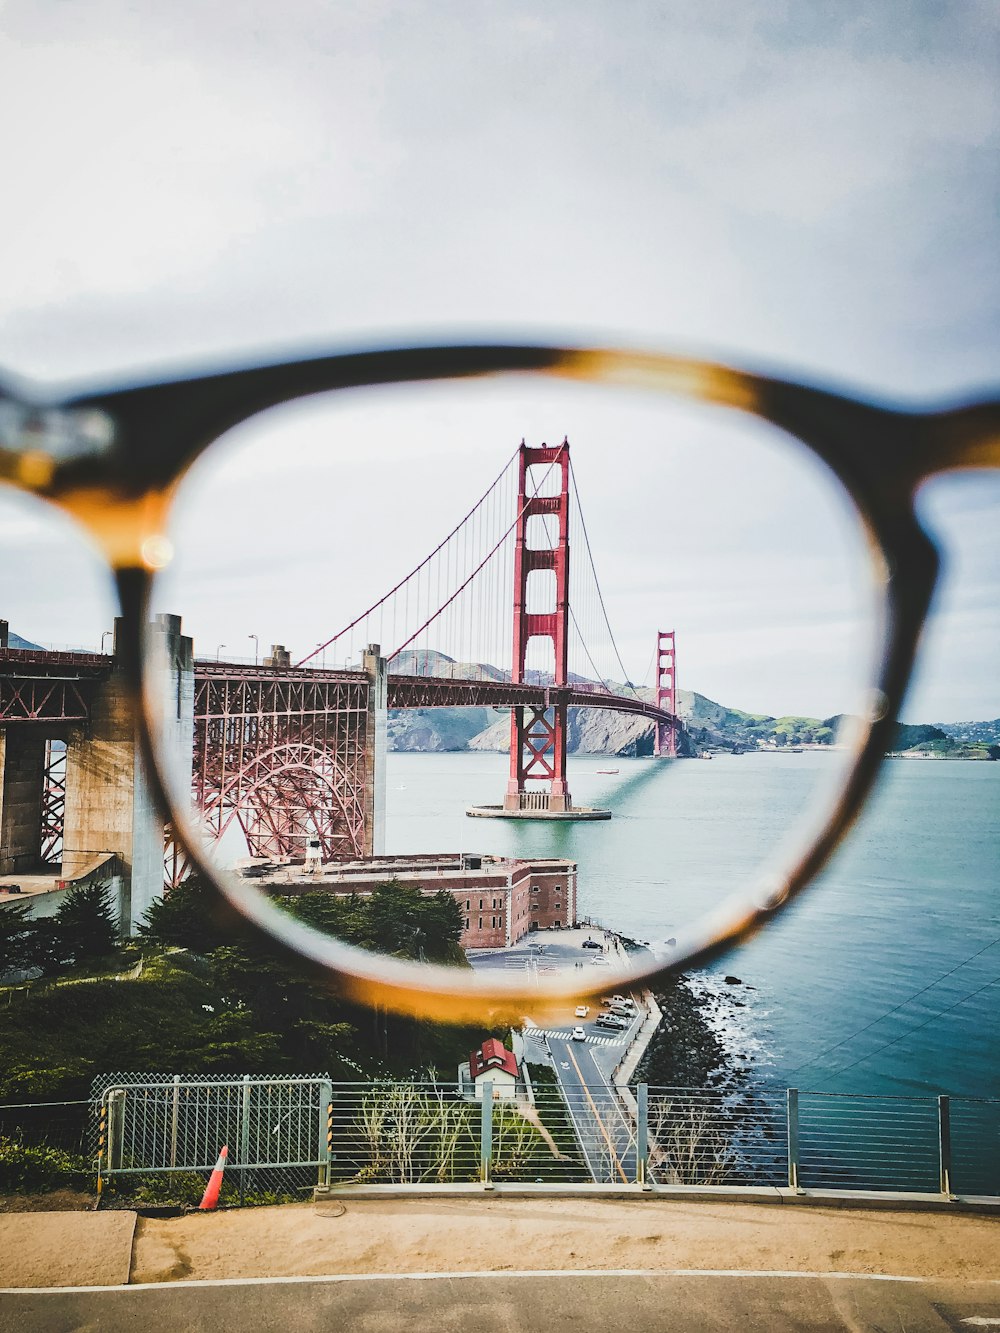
[(583, 1302), (604, 1127), (605, 1131)]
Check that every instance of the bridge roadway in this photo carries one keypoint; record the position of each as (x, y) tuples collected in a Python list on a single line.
[(447, 691), (54, 686)]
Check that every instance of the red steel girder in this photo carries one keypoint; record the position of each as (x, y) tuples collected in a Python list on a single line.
[(282, 753)]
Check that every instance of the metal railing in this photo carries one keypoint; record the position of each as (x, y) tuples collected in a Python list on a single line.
[(275, 1128), (157, 1137), (438, 1134)]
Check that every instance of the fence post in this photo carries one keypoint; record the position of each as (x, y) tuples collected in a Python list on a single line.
[(116, 1128), (102, 1140), (792, 1103), (642, 1135), (944, 1145), (174, 1118), (486, 1136), (325, 1134), (244, 1136)]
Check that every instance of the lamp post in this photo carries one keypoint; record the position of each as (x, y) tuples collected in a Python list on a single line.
[(322, 655), (108, 633), (218, 652), (256, 647)]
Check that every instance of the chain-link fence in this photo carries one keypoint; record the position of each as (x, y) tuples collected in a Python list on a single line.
[(64, 1125), (44, 1147), (157, 1135)]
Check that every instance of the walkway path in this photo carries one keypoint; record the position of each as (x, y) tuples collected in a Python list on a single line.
[(524, 1303)]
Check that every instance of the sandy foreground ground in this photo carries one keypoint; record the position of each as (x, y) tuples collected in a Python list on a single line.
[(501, 1234), (65, 1249)]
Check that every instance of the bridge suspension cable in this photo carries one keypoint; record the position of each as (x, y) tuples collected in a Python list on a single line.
[(595, 635), (496, 486)]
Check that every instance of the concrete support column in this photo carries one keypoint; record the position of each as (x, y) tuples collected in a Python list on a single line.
[(22, 778), (108, 802), (376, 747)]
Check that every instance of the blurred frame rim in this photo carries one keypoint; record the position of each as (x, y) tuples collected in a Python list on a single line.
[(121, 493)]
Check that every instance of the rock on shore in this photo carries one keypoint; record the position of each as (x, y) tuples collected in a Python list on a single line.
[(686, 1050)]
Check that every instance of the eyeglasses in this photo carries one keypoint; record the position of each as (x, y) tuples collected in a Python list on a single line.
[(126, 463)]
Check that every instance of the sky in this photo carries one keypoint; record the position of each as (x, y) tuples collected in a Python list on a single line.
[(806, 187)]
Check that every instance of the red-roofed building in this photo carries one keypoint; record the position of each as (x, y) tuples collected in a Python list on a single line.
[(493, 1063)]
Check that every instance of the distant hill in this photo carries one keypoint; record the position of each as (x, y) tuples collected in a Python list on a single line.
[(972, 733), (15, 641)]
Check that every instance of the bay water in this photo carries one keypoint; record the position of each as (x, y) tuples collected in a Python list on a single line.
[(883, 979)]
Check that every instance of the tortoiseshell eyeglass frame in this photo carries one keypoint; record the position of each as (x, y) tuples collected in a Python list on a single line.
[(112, 459)]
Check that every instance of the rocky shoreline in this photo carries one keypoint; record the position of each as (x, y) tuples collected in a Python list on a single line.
[(695, 1045)]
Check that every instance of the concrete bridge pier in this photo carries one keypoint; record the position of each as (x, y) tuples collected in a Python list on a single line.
[(108, 802)]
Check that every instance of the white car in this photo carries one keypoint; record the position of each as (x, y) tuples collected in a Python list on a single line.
[(579, 1034), (582, 1010)]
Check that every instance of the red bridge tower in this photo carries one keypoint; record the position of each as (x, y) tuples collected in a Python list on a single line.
[(665, 733), (538, 735)]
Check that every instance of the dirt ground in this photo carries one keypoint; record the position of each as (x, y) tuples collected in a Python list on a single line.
[(425, 1235), (65, 1249), (55, 1201), (428, 1235)]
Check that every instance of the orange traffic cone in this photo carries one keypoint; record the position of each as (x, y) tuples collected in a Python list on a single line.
[(211, 1196)]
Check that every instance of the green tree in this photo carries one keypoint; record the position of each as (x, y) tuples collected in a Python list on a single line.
[(394, 918), (51, 951), (188, 916), (85, 922), (16, 938)]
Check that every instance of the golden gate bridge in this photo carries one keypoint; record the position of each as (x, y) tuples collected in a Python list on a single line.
[(292, 750)]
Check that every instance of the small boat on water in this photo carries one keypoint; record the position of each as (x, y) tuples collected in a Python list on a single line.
[(608, 770)]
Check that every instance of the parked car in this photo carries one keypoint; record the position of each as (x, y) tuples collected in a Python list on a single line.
[(582, 1010), (613, 1021), (579, 1034), (592, 944)]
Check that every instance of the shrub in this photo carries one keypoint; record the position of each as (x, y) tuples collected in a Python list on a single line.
[(27, 1168)]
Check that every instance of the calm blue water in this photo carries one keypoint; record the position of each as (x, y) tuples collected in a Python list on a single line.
[(851, 992)]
